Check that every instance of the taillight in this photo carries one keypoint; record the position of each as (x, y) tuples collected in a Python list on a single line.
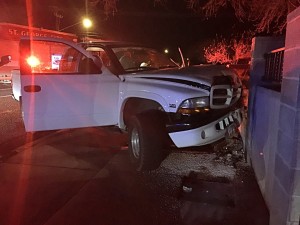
[(33, 61)]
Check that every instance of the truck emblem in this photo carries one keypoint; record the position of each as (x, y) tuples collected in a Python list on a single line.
[(172, 105)]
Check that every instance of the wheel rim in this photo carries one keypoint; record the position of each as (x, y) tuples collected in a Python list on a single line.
[(135, 143)]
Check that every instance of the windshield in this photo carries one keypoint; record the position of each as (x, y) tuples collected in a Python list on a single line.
[(139, 58)]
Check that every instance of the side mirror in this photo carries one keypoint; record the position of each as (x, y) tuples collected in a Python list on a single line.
[(5, 59)]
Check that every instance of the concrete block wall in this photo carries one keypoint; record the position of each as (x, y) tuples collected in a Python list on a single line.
[(260, 46), (285, 206), (263, 114)]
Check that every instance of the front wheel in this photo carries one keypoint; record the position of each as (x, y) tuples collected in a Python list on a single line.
[(145, 142)]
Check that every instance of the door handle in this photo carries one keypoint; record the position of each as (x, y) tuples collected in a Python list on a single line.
[(32, 88)]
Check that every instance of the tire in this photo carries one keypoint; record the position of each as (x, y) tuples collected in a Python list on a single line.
[(145, 142)]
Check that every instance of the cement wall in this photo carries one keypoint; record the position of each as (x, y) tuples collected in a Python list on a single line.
[(273, 132), (263, 117), (263, 142), (286, 203)]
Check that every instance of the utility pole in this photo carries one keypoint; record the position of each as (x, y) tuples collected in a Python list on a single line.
[(58, 13)]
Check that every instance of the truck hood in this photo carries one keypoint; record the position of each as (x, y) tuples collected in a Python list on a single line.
[(203, 76)]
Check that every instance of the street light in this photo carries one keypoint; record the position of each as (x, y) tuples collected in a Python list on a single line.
[(86, 22)]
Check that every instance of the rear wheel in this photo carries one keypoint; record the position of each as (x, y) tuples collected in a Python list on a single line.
[(145, 142)]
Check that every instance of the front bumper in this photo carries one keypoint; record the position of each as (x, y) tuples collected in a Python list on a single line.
[(208, 133)]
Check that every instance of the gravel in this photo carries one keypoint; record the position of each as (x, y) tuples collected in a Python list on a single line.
[(183, 163)]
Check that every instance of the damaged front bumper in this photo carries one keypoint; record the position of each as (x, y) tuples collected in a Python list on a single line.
[(208, 133)]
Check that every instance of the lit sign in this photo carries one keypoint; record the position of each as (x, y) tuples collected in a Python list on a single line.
[(15, 32)]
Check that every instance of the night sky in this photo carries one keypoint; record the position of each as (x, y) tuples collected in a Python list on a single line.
[(167, 26)]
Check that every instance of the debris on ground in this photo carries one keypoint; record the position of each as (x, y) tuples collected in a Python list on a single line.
[(230, 150)]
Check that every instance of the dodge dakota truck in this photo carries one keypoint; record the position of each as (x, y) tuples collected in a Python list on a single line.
[(135, 88)]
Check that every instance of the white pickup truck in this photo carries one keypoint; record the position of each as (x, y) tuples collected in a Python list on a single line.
[(64, 84)]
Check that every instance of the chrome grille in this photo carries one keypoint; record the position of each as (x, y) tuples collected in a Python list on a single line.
[(223, 96)]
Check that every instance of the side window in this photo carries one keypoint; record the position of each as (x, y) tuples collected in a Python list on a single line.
[(69, 61), (100, 52), (105, 59), (49, 57)]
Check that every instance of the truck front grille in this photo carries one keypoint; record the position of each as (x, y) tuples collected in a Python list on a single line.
[(223, 96)]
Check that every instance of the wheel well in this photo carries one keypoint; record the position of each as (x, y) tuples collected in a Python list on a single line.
[(135, 106)]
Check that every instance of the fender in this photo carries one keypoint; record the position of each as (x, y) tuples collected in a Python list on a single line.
[(124, 97)]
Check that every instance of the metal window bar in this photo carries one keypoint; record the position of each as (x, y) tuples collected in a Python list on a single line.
[(274, 66)]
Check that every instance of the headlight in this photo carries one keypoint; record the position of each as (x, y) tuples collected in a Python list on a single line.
[(194, 105)]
